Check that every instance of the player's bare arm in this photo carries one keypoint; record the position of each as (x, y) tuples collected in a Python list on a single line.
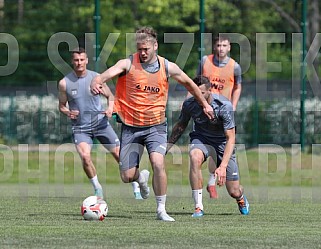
[(175, 72), (229, 148), (120, 67), (73, 114), (110, 100), (236, 95), (62, 97), (177, 132)]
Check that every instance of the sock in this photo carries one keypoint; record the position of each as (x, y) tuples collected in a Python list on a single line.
[(211, 179), (198, 198), (161, 200), (135, 186), (141, 179), (94, 181), (239, 198)]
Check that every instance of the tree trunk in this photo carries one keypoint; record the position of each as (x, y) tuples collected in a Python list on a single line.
[(20, 10)]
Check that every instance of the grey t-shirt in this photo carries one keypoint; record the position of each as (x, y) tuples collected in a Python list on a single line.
[(215, 129), (80, 98)]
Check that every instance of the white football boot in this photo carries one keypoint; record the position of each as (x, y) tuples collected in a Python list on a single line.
[(164, 216)]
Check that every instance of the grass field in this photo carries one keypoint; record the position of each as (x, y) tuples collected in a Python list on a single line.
[(55, 222), (37, 213)]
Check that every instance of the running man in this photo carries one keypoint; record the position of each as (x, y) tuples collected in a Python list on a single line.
[(89, 119), (140, 103), (214, 138)]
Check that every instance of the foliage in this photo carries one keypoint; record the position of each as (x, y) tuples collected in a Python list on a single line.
[(36, 119), (33, 120), (34, 23), (257, 125), (41, 21)]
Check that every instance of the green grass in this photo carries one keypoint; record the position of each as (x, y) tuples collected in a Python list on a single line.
[(63, 166), (41, 194), (55, 222)]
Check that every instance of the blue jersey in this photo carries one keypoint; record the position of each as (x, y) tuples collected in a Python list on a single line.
[(213, 129)]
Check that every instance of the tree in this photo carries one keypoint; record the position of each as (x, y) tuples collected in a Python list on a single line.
[(33, 22), (40, 21), (294, 21)]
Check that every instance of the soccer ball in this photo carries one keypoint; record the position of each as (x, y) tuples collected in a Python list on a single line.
[(94, 208)]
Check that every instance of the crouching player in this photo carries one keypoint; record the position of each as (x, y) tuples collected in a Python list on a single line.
[(214, 138)]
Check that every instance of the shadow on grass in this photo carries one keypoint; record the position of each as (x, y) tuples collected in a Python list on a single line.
[(207, 214)]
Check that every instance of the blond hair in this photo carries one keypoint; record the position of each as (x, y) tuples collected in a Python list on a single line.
[(146, 34)]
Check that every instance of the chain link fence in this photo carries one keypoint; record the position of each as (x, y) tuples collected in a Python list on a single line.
[(36, 119)]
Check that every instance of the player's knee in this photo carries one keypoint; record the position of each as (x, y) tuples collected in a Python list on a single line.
[(125, 177), (196, 159), (159, 169), (157, 163)]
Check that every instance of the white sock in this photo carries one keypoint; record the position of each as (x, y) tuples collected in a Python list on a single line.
[(211, 179), (135, 186), (94, 181), (141, 179), (160, 200), (198, 198)]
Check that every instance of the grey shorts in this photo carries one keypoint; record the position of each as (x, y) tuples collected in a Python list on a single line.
[(104, 133), (134, 139), (216, 150)]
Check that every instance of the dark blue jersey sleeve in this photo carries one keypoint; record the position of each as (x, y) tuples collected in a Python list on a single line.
[(227, 116), (185, 115)]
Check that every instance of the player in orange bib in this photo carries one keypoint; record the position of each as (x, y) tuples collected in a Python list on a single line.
[(140, 103), (224, 74)]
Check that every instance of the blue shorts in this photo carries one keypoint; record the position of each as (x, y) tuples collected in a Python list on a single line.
[(104, 133), (210, 147), (134, 139)]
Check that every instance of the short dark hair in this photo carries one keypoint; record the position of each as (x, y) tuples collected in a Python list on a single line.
[(78, 50), (146, 34), (221, 37), (202, 80)]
